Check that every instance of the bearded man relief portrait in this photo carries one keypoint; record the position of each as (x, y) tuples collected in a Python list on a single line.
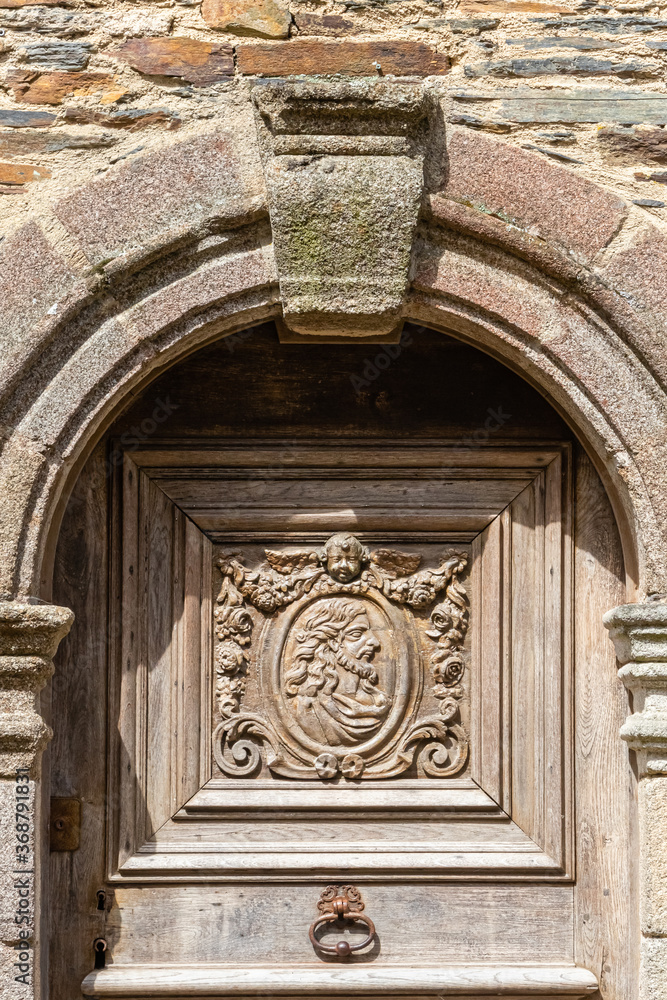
[(330, 678)]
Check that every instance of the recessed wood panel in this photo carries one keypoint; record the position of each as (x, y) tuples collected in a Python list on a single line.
[(513, 586)]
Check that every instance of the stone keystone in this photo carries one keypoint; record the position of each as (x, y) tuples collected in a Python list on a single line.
[(344, 164)]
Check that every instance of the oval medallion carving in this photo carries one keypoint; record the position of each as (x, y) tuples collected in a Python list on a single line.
[(333, 660), (339, 670), (338, 667)]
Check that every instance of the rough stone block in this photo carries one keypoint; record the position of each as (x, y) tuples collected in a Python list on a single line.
[(348, 58), (638, 143), (197, 62), (137, 23), (638, 272), (43, 21), (261, 18), (66, 56), (603, 25), (543, 198), (474, 25), (510, 7), (26, 119), (21, 173), (35, 143), (131, 119), (163, 193), (561, 66), (325, 24), (659, 177), (528, 104), (26, 3), (32, 275), (586, 42), (52, 88)]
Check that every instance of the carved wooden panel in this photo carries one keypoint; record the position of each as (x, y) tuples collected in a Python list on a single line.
[(333, 645), (343, 684)]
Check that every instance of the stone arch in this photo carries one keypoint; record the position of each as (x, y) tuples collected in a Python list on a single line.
[(553, 274)]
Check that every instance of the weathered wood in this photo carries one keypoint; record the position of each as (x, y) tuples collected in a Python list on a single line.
[(249, 924), (160, 607), (606, 904), (469, 879), (469, 983), (79, 719)]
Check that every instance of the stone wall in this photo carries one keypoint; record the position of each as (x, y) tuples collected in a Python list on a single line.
[(87, 84)]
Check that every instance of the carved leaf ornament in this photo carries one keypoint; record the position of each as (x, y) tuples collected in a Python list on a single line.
[(338, 664)]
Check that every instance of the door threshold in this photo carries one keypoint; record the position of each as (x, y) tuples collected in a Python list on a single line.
[(513, 982)]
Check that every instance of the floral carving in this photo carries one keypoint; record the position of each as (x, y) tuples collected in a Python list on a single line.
[(329, 676)]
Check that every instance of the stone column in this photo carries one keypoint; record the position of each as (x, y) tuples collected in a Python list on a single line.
[(639, 632), (29, 637)]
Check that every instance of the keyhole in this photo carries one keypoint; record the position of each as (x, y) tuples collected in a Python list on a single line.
[(100, 947), (101, 899)]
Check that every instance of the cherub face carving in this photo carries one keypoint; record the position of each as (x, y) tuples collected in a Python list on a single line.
[(344, 556)]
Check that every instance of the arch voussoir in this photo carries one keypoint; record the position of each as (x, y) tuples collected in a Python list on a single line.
[(527, 259)]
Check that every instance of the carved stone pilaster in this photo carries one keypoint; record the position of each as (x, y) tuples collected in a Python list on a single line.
[(29, 637), (639, 632), (344, 167)]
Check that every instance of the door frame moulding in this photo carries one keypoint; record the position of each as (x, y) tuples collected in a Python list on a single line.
[(467, 982)]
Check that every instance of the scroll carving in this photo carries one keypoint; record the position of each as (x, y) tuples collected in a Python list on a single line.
[(339, 671)]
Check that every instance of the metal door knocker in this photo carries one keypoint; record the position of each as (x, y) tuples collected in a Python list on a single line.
[(340, 902)]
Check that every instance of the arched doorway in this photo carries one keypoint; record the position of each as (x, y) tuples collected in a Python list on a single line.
[(485, 851)]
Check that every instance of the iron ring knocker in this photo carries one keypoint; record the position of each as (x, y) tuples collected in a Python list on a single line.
[(335, 905)]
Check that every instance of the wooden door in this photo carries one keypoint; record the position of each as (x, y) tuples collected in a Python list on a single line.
[(336, 634)]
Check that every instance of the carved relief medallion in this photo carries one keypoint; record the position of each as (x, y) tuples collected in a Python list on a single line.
[(328, 675), (320, 663)]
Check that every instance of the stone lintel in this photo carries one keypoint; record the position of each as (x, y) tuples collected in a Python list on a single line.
[(344, 167), (29, 637)]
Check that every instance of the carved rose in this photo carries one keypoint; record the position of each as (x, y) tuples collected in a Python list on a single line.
[(441, 618), (230, 657), (265, 598), (451, 671), (421, 595), (326, 765)]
